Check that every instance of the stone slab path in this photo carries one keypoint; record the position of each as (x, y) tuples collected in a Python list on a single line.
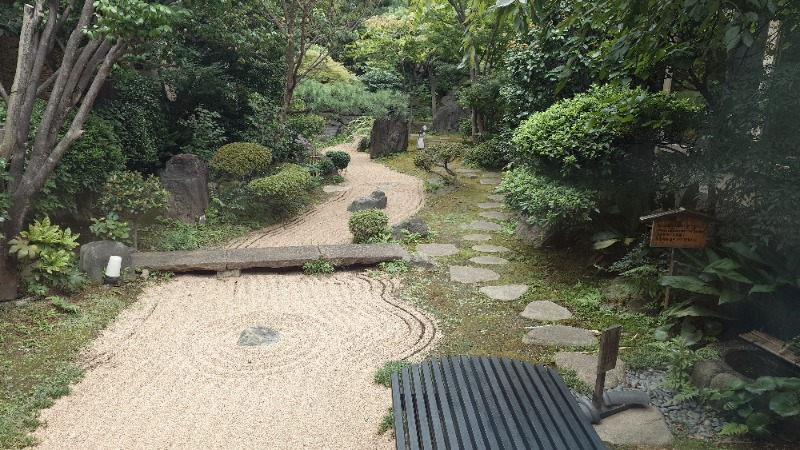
[(497, 197), (495, 215), (490, 248), (586, 368), (545, 311), (437, 249), (471, 275), (560, 335), (477, 237), (492, 260), (490, 205), (507, 292), (481, 225)]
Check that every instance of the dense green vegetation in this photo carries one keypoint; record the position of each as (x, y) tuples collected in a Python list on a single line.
[(598, 112)]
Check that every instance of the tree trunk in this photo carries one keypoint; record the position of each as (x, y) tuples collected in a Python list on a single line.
[(434, 83), (288, 91), (474, 116), (9, 277)]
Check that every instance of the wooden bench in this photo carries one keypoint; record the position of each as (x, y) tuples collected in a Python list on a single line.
[(487, 403)]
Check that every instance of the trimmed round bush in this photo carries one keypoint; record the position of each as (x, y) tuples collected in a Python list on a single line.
[(290, 180), (340, 159), (241, 160), (326, 166), (367, 225), (488, 155), (306, 124)]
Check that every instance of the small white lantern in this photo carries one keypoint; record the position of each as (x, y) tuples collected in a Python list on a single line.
[(113, 270)]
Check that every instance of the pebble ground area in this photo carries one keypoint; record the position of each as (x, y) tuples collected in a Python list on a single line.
[(170, 373)]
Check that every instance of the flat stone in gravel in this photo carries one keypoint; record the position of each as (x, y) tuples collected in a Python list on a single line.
[(559, 335), (330, 189), (497, 197), (257, 336), (495, 215), (636, 426), (469, 175), (490, 181), (507, 292), (437, 249), (546, 311), (586, 368), (492, 175), (482, 225), (477, 237), (490, 248), (464, 274), (493, 260), (463, 170), (490, 205)]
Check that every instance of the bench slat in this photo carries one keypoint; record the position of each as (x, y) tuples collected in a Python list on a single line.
[(397, 409), (422, 411), (433, 406), (482, 404), (466, 436), (447, 407)]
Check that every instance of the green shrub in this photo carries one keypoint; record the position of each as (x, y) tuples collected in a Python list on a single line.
[(87, 164), (49, 252), (289, 180), (110, 228), (340, 159), (131, 196), (439, 155), (546, 202), (764, 406), (241, 160), (326, 166), (204, 133), (307, 125), (320, 266), (594, 131), (489, 154), (367, 225)]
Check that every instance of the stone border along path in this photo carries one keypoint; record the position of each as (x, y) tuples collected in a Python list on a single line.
[(170, 371), (648, 423)]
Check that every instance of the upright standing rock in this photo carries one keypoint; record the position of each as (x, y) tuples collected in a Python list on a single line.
[(389, 136), (449, 115), (186, 180)]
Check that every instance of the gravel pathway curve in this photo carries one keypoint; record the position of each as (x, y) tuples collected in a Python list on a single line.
[(327, 223), (169, 373)]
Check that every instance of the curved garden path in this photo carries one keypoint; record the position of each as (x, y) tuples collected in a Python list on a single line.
[(326, 223), (169, 373)]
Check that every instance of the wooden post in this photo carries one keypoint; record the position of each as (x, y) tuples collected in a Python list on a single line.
[(606, 360), (670, 273)]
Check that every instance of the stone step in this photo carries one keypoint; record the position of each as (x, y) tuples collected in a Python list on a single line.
[(559, 336), (268, 258)]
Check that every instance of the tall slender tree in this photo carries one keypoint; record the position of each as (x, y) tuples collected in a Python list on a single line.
[(96, 35)]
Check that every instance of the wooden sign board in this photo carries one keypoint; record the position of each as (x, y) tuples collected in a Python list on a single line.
[(609, 348), (680, 230)]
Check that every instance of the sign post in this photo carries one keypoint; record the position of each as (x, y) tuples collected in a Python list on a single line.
[(678, 228)]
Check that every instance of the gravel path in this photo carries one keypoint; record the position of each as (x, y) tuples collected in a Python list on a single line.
[(327, 223), (169, 373)]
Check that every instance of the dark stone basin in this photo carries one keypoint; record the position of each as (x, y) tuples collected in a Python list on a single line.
[(756, 363)]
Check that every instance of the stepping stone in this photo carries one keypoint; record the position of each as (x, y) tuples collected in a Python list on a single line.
[(560, 336), (469, 175), (464, 274), (505, 292), (490, 248), (330, 189), (546, 311), (485, 226), (463, 170), (492, 205), (496, 215), (497, 197), (488, 260), (636, 427), (490, 181), (437, 249), (477, 237), (586, 368)]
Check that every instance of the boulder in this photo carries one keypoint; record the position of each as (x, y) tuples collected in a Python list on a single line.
[(186, 180), (532, 234), (449, 115), (363, 144), (94, 258), (412, 225), (389, 136), (306, 145), (376, 200)]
